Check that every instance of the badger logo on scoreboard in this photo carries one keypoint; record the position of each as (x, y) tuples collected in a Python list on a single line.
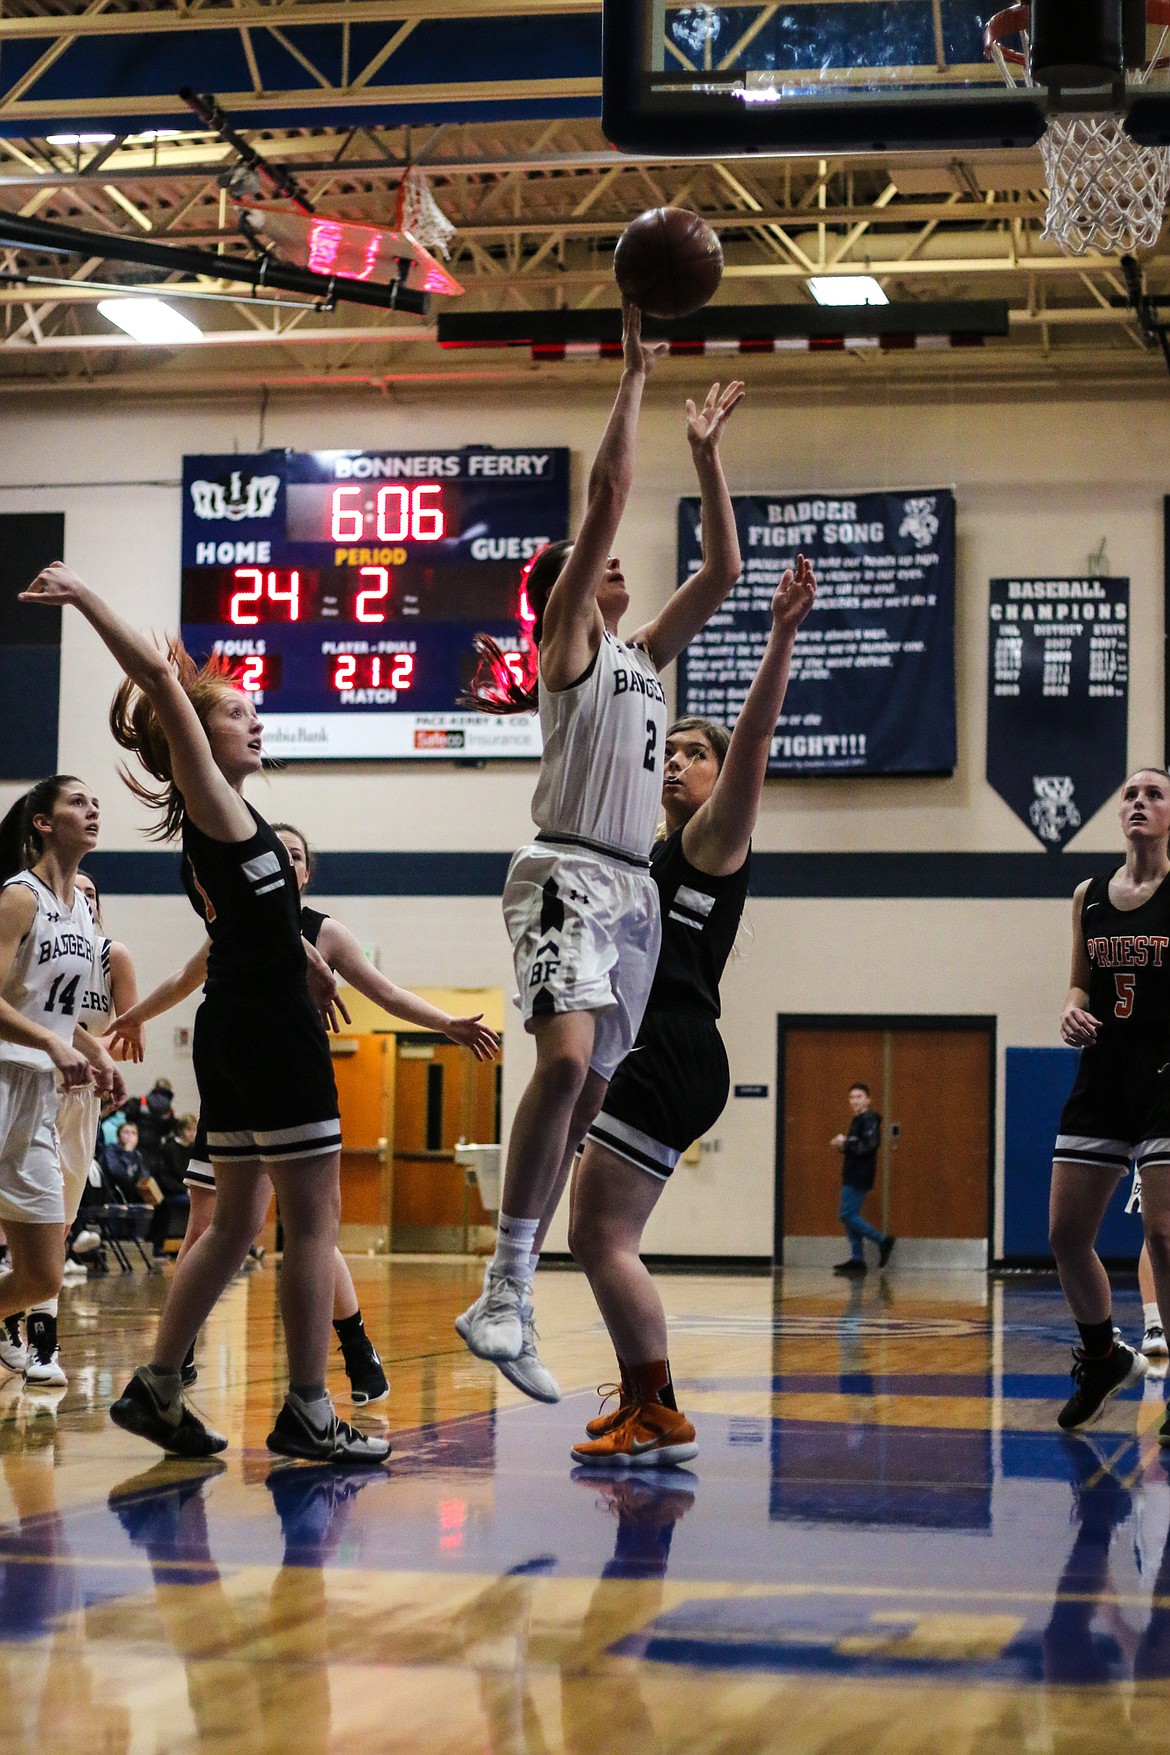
[(252, 496)]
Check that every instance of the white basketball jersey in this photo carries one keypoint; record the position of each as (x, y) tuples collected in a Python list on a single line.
[(97, 1004), (601, 772), (52, 970)]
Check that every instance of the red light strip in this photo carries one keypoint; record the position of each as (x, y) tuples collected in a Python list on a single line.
[(607, 350)]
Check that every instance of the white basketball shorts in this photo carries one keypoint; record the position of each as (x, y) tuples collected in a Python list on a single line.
[(585, 933), (78, 1113), (32, 1191)]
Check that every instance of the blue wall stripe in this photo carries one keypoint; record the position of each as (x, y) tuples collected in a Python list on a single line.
[(827, 876)]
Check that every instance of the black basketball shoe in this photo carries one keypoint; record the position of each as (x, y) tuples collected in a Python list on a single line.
[(139, 1410), (1095, 1381), (298, 1433), (363, 1367)]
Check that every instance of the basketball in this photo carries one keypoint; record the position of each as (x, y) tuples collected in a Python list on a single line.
[(668, 262)]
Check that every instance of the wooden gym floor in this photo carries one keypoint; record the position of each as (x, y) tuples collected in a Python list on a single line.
[(884, 1544)]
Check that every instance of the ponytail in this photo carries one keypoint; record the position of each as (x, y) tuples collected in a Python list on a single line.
[(21, 842), (495, 688), (135, 726)]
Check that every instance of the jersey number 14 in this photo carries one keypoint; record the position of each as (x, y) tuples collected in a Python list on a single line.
[(66, 1000)]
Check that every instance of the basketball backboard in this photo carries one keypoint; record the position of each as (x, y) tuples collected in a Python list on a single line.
[(823, 76)]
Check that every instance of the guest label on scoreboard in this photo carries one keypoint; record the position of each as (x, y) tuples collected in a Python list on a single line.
[(345, 588), (872, 688)]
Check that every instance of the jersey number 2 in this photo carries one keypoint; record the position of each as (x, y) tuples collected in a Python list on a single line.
[(651, 745), (1126, 985), (68, 995)]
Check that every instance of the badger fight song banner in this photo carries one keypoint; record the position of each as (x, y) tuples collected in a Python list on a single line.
[(1057, 699), (872, 689)]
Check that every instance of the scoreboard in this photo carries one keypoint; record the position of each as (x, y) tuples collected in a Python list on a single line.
[(345, 589)]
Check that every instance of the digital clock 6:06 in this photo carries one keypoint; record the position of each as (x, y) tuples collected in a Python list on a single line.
[(393, 514), (421, 512)]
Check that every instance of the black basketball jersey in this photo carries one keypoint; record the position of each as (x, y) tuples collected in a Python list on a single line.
[(312, 920), (700, 918), (246, 893), (1129, 958)]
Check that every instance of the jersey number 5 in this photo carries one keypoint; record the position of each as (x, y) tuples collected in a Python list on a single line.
[(1126, 985), (651, 745), (68, 997)]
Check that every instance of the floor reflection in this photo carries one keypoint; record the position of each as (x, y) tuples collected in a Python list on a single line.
[(882, 1505)]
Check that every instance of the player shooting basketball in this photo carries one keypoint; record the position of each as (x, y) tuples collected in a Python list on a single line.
[(580, 904)]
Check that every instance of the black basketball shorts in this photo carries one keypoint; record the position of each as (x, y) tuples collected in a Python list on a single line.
[(199, 1173), (671, 1088), (266, 1087), (1118, 1111)]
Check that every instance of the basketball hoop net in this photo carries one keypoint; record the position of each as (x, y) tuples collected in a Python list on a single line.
[(420, 214), (1105, 191)]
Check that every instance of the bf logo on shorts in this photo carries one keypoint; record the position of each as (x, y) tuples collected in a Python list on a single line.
[(548, 961)]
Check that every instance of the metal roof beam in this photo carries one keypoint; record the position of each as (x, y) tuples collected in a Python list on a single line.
[(169, 21), (484, 91)]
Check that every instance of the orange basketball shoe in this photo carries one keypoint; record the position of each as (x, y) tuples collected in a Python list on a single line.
[(652, 1436), (607, 1422)]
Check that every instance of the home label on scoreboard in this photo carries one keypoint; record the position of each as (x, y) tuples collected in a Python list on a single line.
[(346, 588)]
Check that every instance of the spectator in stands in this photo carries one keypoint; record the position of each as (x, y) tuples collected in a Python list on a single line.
[(124, 1165), (113, 1115), (174, 1157), (154, 1118)]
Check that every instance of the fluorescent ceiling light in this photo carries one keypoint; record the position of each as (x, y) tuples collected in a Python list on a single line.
[(150, 321), (846, 289), (80, 139)]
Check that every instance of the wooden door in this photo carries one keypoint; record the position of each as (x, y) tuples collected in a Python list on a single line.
[(932, 1087), (819, 1067), (442, 1095), (363, 1067), (939, 1161)]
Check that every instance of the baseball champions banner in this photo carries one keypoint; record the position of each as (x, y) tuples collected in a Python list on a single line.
[(872, 689), (1057, 699)]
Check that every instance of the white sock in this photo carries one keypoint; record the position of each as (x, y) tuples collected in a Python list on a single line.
[(514, 1240), (1150, 1315), (48, 1306)]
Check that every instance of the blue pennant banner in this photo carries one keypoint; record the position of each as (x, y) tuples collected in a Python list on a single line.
[(1057, 699)]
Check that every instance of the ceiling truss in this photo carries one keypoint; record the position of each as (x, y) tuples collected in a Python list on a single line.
[(538, 206)]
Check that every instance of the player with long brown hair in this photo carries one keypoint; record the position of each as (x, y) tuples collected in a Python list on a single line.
[(48, 942), (261, 1056)]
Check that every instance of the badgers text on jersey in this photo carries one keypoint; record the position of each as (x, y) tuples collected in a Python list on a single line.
[(53, 968)]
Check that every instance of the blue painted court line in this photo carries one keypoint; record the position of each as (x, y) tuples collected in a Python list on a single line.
[(1014, 1385)]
